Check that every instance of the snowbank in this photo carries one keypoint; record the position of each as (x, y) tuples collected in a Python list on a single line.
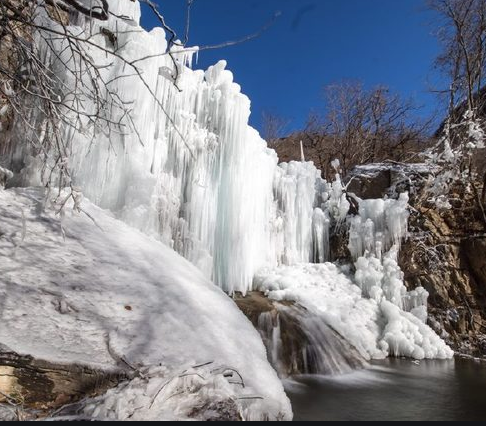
[(107, 293)]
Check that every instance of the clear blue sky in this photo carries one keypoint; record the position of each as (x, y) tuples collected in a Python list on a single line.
[(314, 43)]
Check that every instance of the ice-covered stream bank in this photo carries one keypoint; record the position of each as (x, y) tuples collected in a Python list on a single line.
[(192, 174)]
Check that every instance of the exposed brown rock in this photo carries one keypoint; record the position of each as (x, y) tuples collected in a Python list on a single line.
[(44, 386)]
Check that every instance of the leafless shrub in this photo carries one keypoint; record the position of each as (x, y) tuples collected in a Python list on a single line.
[(361, 126)]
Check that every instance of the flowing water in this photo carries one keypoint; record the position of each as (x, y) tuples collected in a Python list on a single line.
[(394, 390), (298, 342)]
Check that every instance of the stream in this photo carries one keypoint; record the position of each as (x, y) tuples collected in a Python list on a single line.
[(394, 390)]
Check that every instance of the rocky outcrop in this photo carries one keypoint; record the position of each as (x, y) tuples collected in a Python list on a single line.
[(445, 253), (38, 387)]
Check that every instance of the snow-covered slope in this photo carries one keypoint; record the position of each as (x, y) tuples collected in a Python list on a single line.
[(107, 292)]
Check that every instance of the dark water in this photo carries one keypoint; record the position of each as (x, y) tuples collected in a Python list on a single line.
[(395, 390)]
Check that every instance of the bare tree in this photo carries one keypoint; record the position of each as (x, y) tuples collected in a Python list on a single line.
[(362, 126), (460, 150), (462, 33), (273, 127)]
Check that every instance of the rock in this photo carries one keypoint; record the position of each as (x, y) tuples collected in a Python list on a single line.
[(372, 181), (226, 410), (339, 251), (474, 250), (5, 175), (254, 304), (44, 386), (371, 185)]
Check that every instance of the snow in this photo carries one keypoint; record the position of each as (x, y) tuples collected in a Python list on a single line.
[(372, 170), (475, 132), (4, 110), (452, 158), (336, 202), (105, 292), (204, 391), (375, 326)]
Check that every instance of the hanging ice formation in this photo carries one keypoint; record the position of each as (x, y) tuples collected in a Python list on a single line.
[(192, 173)]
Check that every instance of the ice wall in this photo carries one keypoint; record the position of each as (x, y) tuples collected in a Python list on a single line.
[(184, 166)]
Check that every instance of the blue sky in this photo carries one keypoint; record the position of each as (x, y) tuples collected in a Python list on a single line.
[(314, 43)]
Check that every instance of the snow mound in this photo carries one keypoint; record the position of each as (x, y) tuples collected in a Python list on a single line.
[(97, 295)]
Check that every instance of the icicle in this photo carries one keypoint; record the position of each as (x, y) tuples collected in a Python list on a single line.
[(302, 155), (381, 224)]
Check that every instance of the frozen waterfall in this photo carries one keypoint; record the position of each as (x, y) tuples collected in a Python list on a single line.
[(186, 168), (191, 172)]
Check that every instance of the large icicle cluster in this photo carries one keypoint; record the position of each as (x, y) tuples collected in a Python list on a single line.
[(380, 225), (190, 171)]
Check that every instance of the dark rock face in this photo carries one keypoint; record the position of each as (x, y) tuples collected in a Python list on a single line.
[(338, 247), (371, 185), (445, 253), (372, 181), (474, 250), (5, 175), (217, 411)]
